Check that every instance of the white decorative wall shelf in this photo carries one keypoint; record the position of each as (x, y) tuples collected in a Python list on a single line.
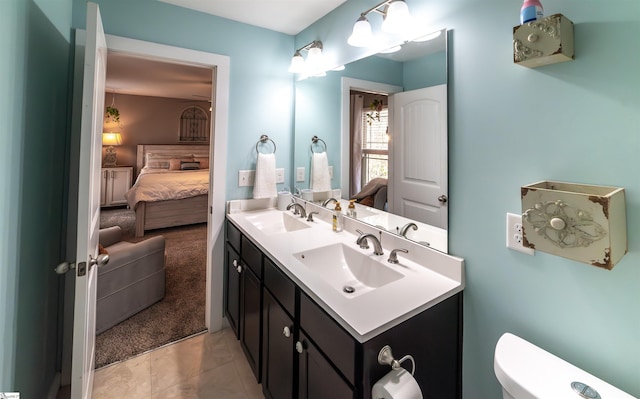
[(543, 42), (576, 221)]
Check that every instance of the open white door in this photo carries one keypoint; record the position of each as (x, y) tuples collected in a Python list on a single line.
[(418, 155), (84, 329)]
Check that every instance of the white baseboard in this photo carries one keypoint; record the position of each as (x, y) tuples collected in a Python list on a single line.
[(54, 387)]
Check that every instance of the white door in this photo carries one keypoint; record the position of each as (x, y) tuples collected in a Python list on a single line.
[(84, 329), (418, 155)]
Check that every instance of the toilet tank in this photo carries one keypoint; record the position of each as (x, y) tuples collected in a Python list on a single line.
[(526, 371)]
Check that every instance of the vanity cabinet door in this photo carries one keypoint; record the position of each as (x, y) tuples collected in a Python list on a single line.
[(317, 377), (278, 350), (232, 274), (251, 320)]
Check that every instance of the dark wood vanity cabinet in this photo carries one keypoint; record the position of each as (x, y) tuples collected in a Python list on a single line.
[(243, 294), (306, 354)]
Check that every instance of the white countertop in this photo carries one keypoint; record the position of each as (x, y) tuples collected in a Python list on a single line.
[(429, 276)]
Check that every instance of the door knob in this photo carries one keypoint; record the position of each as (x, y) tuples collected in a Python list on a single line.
[(299, 347), (64, 267), (443, 199), (101, 260)]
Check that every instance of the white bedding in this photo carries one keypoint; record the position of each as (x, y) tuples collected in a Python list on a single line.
[(161, 184)]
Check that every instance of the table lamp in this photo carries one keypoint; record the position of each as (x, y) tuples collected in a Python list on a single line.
[(111, 139)]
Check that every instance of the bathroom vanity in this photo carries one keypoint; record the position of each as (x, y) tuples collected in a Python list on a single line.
[(305, 337)]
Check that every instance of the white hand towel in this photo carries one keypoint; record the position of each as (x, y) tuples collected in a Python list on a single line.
[(265, 181), (320, 179)]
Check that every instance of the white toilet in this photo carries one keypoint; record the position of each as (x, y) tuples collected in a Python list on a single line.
[(528, 372)]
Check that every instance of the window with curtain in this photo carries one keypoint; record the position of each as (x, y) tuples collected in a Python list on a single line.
[(375, 145)]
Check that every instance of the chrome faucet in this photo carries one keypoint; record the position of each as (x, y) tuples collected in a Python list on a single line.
[(362, 242), (393, 256), (297, 207), (327, 202), (403, 230), (310, 217)]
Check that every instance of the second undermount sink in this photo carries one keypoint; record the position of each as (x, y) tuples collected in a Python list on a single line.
[(276, 222), (348, 270)]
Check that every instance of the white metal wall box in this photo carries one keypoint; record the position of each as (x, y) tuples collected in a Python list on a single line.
[(543, 42), (576, 221)]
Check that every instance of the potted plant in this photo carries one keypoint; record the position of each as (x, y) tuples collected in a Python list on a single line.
[(374, 115), (112, 115)]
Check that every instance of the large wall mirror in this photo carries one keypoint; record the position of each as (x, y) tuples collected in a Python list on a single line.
[(383, 124)]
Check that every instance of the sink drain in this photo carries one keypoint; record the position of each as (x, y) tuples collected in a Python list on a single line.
[(348, 289)]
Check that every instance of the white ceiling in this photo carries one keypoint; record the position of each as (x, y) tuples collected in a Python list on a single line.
[(286, 16), (137, 76)]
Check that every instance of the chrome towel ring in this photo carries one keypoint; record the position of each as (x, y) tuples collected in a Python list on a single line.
[(314, 140), (263, 139)]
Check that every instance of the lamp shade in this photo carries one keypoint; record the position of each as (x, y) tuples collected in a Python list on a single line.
[(397, 19), (112, 138), (361, 35), (297, 63)]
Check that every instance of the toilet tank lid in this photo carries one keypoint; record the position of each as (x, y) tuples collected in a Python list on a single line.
[(526, 371)]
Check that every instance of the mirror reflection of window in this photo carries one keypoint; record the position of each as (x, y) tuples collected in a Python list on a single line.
[(375, 144)]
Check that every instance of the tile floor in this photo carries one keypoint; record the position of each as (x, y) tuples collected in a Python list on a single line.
[(205, 366)]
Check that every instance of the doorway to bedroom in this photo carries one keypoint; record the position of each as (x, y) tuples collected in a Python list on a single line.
[(166, 107)]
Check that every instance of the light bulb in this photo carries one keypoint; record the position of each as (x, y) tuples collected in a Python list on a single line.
[(397, 19), (361, 35)]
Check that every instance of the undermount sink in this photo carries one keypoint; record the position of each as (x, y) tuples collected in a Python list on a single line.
[(348, 270), (276, 222)]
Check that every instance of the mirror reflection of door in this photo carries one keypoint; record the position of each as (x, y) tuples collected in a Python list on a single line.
[(418, 154)]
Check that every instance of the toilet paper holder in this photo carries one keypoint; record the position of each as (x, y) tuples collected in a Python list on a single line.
[(385, 356)]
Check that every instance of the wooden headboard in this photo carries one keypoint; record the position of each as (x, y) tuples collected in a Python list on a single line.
[(199, 150)]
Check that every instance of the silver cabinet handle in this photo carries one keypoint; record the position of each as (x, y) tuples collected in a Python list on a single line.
[(299, 347), (286, 331), (237, 266)]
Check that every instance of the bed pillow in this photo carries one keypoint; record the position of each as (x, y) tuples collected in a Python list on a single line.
[(204, 162), (161, 161), (175, 163), (189, 165)]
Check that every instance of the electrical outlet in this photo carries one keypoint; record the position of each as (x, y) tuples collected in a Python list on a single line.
[(514, 234), (300, 174), (330, 172), (246, 178), (280, 175)]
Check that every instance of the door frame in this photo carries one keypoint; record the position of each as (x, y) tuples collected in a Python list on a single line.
[(348, 84), (220, 66)]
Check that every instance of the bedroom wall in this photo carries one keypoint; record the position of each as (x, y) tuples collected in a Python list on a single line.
[(147, 120), (510, 126), (261, 89), (34, 105)]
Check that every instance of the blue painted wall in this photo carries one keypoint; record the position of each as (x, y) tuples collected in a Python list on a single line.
[(35, 46), (511, 126), (261, 89)]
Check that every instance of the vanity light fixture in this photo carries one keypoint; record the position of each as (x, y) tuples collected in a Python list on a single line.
[(397, 20), (314, 60)]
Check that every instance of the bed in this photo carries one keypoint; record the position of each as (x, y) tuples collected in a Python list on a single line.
[(171, 188)]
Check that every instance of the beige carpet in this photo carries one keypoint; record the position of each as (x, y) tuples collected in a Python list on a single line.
[(180, 313)]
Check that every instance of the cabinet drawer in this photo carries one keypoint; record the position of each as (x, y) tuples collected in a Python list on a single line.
[(233, 236), (282, 288), (252, 256), (330, 338)]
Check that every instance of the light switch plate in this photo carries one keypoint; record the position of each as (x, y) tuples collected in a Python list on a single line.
[(246, 178), (279, 175), (514, 234), (300, 174), (331, 172)]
